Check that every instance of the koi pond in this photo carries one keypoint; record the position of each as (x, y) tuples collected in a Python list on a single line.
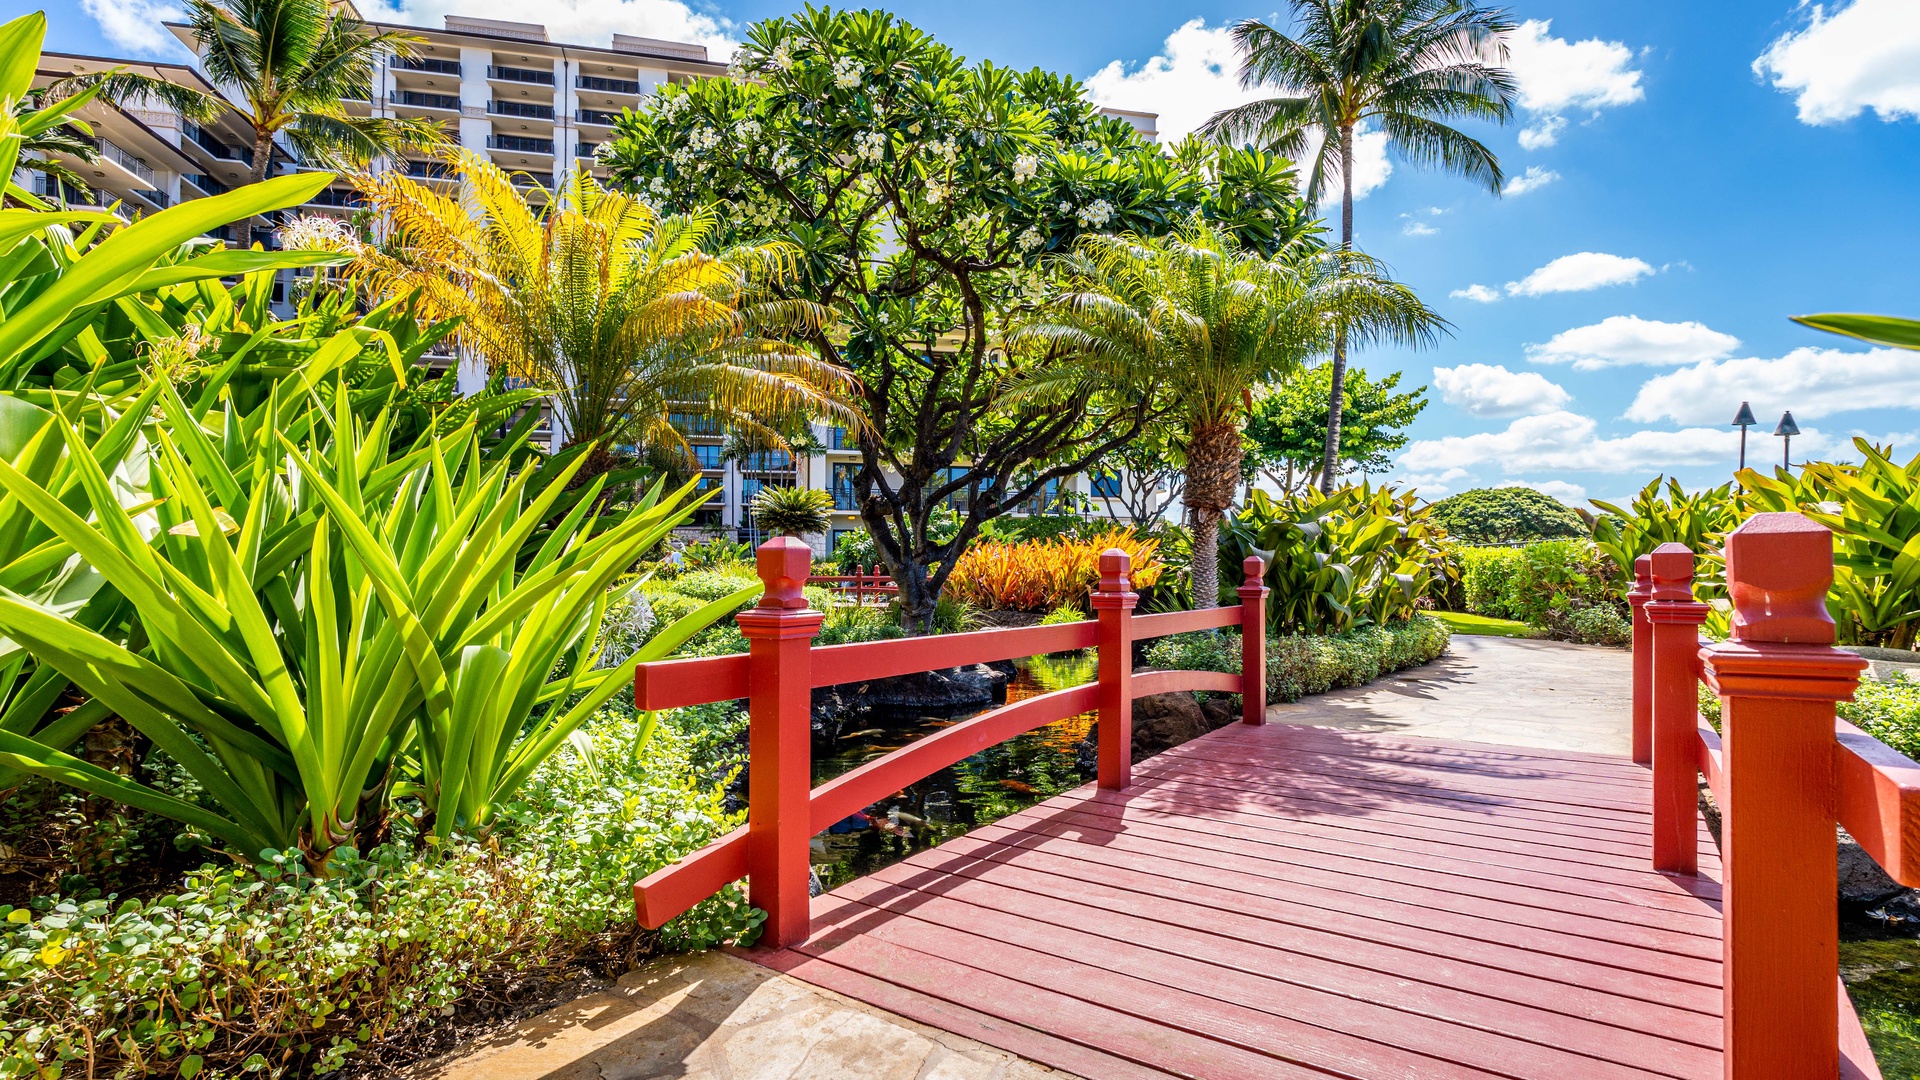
[(982, 789)]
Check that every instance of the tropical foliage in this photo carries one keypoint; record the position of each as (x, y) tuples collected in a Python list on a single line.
[(1407, 65), (1664, 512), (1286, 428), (287, 66), (625, 314), (1045, 575), (793, 511), (842, 121), (1197, 323), (1507, 515), (1873, 509), (1361, 556), (1543, 584)]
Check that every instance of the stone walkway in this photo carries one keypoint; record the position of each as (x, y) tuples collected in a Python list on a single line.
[(1516, 691), (716, 1017)]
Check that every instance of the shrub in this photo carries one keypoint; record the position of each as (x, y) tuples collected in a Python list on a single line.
[(1888, 710), (848, 624), (1303, 664), (793, 511), (1040, 575), (1064, 614), (1600, 624), (1359, 555), (1527, 583), (266, 969), (1699, 520), (1507, 515)]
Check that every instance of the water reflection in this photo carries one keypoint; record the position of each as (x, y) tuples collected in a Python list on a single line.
[(984, 788)]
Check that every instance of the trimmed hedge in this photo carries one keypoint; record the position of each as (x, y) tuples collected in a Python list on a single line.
[(1542, 584), (1303, 664)]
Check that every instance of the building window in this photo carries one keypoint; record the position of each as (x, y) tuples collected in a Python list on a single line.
[(842, 487), (1106, 485), (708, 454), (833, 542)]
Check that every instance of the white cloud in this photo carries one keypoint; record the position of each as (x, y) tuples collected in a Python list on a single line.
[(587, 22), (1628, 339), (1196, 74), (1419, 228), (1479, 294), (1533, 179), (1571, 494), (135, 25), (1556, 75), (1492, 390), (1864, 55), (1562, 441), (1812, 382), (1579, 272), (1543, 132)]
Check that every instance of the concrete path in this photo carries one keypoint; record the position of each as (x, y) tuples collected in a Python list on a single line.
[(1489, 689), (716, 1017)]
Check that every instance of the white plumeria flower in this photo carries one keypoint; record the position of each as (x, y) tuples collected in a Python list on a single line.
[(847, 72), (1030, 239), (782, 57), (870, 145), (1024, 168), (936, 192), (1095, 214), (1066, 207)]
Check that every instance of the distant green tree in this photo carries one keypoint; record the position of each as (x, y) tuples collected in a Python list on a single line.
[(1507, 515), (1286, 433)]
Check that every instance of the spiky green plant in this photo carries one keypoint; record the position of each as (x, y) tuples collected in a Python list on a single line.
[(793, 511)]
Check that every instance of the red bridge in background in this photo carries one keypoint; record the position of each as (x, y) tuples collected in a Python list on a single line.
[(1284, 901)]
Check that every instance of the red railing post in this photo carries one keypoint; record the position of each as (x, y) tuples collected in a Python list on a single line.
[(779, 632), (1674, 619), (1778, 679), (1114, 603), (1253, 641), (1637, 598)]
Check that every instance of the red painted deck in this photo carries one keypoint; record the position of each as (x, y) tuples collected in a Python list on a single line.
[(1285, 901)]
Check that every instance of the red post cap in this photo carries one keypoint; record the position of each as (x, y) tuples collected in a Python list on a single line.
[(1116, 568), (784, 563), (1671, 569), (1779, 567), (1642, 590)]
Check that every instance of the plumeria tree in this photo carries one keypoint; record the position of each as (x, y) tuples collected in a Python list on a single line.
[(922, 193)]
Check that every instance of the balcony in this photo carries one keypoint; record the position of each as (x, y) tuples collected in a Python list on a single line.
[(585, 149), (211, 143), (595, 116), (520, 108), (438, 67), (528, 179), (341, 197), (520, 75), (430, 170), (120, 157), (611, 86), (519, 144), (204, 184), (448, 102), (157, 198)]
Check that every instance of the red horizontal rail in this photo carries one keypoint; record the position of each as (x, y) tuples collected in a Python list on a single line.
[(1166, 682), (835, 664), (1877, 797), (1712, 762), (676, 684), (877, 779), (1181, 622), (678, 886)]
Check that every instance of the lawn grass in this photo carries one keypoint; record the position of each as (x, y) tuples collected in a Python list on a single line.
[(1462, 623)]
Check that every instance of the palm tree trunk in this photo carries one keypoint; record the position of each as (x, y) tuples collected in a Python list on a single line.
[(262, 156), (1330, 456), (1213, 476)]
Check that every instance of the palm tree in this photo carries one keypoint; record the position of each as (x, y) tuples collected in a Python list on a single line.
[(1201, 323), (625, 314), (288, 63), (1406, 64)]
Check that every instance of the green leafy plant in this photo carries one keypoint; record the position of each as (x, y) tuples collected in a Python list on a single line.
[(1507, 515), (1361, 555), (1700, 520), (793, 511)]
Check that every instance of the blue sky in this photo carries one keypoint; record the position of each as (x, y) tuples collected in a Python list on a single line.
[(1690, 175)]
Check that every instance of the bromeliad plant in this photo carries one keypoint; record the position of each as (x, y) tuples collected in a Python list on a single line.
[(322, 623)]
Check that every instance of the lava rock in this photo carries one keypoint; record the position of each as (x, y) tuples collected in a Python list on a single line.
[(1862, 882), (1220, 711), (1164, 721), (947, 692)]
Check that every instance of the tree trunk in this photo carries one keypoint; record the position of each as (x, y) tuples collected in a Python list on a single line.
[(1330, 456), (918, 599), (262, 156), (1213, 476)]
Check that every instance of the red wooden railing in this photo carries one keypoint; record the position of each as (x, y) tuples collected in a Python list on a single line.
[(781, 668), (1783, 771), (874, 582)]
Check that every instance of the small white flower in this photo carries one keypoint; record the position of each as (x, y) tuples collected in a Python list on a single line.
[(1095, 214), (870, 145), (747, 130), (316, 232), (936, 192), (659, 185), (1030, 239), (1024, 168), (782, 57), (1066, 207), (847, 72), (946, 149)]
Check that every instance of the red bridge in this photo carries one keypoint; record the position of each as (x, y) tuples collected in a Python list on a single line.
[(1281, 901)]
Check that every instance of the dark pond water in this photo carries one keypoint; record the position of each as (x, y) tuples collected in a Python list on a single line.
[(984, 788)]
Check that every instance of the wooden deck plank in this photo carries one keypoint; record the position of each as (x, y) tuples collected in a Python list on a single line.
[(1282, 901)]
